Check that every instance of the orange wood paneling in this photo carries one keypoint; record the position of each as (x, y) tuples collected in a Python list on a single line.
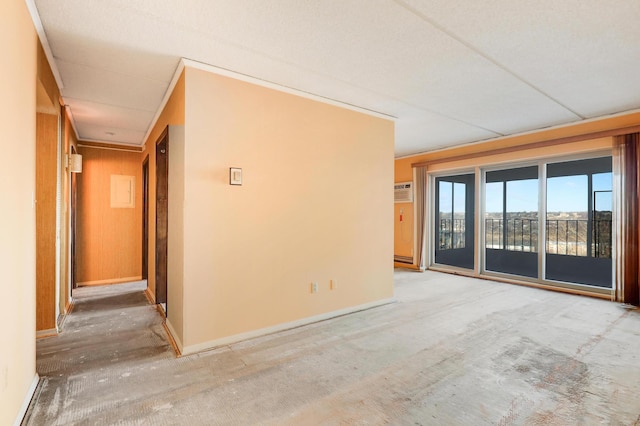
[(46, 177), (109, 240)]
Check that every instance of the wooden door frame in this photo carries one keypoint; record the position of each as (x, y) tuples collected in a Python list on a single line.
[(145, 218), (162, 185)]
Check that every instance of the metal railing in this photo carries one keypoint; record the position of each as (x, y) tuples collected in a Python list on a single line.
[(564, 236), (451, 234)]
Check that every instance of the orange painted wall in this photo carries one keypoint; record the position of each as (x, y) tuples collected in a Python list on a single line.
[(172, 114), (109, 240), (315, 206), (18, 43), (447, 159)]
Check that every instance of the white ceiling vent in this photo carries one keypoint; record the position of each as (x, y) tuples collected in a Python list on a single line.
[(403, 192)]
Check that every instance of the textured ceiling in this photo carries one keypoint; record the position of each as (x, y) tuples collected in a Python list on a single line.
[(448, 71)]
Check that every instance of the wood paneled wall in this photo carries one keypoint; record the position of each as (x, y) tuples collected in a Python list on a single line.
[(46, 178), (109, 240)]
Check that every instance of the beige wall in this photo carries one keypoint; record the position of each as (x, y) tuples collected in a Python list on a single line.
[(172, 114), (469, 156), (17, 227), (109, 240), (315, 206)]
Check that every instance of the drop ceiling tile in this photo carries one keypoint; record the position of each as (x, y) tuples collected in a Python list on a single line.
[(477, 67), (584, 53), (421, 131), (93, 132), (103, 54), (92, 113), (111, 88)]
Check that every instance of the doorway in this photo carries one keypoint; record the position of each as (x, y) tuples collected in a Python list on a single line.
[(454, 220), (511, 221), (579, 222), (162, 188)]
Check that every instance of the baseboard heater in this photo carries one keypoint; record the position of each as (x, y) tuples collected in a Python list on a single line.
[(403, 259)]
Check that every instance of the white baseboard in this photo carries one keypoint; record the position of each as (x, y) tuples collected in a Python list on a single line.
[(212, 344), (27, 400)]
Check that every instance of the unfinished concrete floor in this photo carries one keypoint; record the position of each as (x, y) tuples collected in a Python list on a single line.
[(451, 351)]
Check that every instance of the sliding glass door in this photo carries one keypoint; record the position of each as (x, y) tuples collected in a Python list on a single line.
[(454, 215), (548, 222), (511, 221), (579, 222)]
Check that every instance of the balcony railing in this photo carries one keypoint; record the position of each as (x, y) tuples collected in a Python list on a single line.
[(564, 236), (451, 234)]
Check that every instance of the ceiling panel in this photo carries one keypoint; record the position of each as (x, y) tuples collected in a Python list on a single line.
[(583, 53), (450, 72), (92, 132), (417, 129), (112, 88), (116, 117)]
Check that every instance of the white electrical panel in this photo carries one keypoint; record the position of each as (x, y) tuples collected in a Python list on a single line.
[(403, 192), (123, 192)]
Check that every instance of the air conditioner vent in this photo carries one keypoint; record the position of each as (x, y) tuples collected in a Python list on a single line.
[(403, 192)]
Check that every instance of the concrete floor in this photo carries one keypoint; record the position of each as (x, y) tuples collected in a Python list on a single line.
[(451, 351)]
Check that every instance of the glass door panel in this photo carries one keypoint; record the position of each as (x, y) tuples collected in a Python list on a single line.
[(579, 219), (511, 221), (454, 213)]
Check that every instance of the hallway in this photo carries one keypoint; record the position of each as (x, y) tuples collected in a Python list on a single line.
[(452, 350)]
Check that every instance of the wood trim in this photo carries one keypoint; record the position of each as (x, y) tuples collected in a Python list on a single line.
[(170, 338), (539, 144), (41, 334), (110, 281), (109, 146), (149, 295), (411, 266)]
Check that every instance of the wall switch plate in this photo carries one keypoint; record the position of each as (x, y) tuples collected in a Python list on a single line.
[(314, 287), (333, 284)]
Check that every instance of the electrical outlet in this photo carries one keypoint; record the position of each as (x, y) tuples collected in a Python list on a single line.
[(333, 284), (314, 287)]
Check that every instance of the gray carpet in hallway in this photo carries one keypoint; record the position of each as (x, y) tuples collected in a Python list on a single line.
[(451, 351)]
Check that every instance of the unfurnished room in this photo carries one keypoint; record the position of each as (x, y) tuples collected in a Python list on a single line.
[(320, 212)]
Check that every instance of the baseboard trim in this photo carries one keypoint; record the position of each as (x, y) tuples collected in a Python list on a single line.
[(62, 319), (41, 334), (213, 344), (173, 337), (150, 298), (27, 400), (110, 281)]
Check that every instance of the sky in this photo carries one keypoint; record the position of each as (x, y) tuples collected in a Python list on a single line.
[(564, 194)]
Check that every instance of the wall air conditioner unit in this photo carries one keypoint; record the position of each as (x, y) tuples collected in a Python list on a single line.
[(403, 192)]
